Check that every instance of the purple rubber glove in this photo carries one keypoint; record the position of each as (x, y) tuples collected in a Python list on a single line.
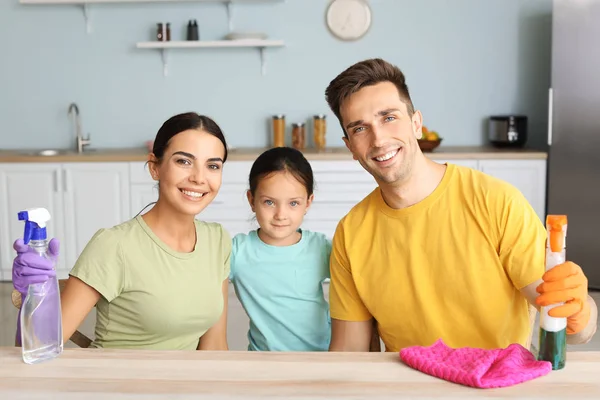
[(30, 268)]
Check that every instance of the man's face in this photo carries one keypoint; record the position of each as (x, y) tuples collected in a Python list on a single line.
[(382, 135)]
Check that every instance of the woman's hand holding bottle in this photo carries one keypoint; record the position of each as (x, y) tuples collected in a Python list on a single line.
[(30, 268)]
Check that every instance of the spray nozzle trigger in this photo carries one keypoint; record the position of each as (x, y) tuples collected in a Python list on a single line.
[(35, 223)]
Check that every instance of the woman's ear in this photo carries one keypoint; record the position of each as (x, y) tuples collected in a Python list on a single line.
[(153, 166), (250, 199)]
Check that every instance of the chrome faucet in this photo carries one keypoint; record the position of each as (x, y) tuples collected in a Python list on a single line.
[(80, 140)]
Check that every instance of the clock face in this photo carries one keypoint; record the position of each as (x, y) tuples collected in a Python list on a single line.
[(349, 19)]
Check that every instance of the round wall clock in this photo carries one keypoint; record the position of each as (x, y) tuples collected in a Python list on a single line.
[(348, 19)]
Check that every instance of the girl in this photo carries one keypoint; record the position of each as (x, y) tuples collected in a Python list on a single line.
[(277, 271), (159, 280)]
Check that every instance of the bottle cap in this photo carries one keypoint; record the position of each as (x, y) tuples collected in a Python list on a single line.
[(556, 225), (35, 223)]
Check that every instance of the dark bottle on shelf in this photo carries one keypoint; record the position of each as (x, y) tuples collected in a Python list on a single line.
[(192, 30)]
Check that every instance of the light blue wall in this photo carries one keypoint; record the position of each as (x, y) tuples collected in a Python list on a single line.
[(464, 60)]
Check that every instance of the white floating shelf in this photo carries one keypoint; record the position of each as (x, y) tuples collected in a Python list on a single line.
[(82, 2), (195, 44), (205, 43)]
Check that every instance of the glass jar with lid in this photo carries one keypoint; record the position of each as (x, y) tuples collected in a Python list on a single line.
[(278, 130), (319, 131), (298, 136)]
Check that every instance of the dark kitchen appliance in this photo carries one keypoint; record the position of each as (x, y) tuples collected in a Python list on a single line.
[(507, 130)]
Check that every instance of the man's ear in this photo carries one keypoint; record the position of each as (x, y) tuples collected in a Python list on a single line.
[(417, 124), (250, 199), (349, 146)]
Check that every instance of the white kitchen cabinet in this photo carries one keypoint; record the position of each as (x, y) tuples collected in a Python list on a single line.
[(84, 197), (24, 186), (529, 176), (96, 195), (81, 198)]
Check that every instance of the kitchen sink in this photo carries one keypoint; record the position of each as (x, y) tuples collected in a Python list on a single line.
[(53, 152), (46, 152)]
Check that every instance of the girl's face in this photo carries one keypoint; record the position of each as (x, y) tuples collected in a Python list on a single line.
[(190, 172), (280, 202)]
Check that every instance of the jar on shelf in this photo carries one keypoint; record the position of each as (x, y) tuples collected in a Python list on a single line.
[(279, 130), (298, 136), (319, 131), (163, 32)]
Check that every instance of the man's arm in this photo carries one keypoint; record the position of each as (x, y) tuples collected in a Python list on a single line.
[(350, 335), (582, 315), (522, 252)]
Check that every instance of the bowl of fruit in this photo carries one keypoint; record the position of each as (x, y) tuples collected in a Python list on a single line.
[(430, 140)]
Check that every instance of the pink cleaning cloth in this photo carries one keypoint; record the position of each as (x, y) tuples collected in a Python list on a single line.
[(474, 367)]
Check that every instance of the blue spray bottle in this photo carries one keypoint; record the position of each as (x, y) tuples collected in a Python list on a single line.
[(41, 321)]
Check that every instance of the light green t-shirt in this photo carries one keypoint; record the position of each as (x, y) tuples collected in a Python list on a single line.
[(154, 297)]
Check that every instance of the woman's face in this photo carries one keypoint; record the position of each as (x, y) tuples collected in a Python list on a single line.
[(190, 171)]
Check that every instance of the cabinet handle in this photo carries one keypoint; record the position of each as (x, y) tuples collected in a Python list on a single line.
[(65, 178), (550, 119), (55, 180)]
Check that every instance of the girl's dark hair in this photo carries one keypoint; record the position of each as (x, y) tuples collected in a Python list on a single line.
[(184, 122), (282, 159)]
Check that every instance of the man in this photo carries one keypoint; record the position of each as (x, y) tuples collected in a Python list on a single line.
[(436, 251)]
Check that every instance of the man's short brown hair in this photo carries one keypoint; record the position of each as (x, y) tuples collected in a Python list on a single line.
[(365, 73)]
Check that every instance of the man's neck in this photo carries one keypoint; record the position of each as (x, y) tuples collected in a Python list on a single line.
[(177, 230), (425, 177)]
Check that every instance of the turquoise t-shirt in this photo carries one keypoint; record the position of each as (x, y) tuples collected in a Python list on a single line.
[(281, 291)]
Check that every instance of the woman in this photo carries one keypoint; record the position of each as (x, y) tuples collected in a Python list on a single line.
[(159, 280)]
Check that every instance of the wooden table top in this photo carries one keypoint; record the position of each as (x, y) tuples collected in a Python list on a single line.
[(91, 374)]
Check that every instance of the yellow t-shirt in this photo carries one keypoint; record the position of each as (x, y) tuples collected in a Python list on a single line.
[(449, 267), (154, 297)]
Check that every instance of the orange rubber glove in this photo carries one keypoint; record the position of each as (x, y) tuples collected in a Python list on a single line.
[(567, 284)]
